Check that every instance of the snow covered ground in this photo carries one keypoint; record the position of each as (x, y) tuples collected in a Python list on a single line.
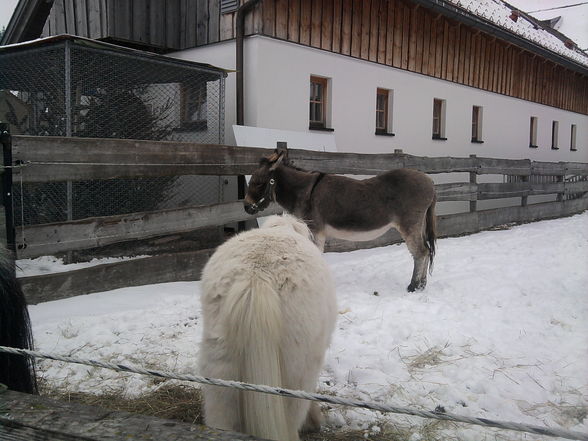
[(500, 332)]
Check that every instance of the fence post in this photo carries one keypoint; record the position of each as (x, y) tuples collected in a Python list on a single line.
[(561, 178), (282, 146), (8, 226), (474, 180), (524, 199)]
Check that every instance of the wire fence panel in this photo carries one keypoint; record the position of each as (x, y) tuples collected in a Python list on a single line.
[(78, 88)]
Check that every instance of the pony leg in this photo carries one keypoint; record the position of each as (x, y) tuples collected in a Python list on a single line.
[(319, 240), (314, 419)]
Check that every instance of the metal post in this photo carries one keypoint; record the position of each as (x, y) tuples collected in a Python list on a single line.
[(6, 141)]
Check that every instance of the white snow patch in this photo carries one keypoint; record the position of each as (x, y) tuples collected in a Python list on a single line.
[(500, 332)]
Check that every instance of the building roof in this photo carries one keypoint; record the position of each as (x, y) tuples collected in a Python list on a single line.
[(520, 23)]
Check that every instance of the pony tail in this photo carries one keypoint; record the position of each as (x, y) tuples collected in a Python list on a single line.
[(254, 319), (431, 232), (16, 372)]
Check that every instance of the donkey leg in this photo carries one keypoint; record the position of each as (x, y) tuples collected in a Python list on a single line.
[(420, 255)]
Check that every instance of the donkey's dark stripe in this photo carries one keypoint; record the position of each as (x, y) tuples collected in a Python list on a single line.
[(346, 208)]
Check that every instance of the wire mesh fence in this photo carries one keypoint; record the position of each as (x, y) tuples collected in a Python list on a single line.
[(82, 88)]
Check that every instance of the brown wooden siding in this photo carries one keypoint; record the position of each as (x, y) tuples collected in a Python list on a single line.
[(157, 24), (401, 34)]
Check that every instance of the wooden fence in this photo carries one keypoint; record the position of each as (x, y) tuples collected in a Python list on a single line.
[(55, 159)]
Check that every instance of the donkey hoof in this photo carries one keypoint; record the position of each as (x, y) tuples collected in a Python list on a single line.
[(416, 286)]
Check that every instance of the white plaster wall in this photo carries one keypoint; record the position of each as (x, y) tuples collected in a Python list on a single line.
[(277, 75)]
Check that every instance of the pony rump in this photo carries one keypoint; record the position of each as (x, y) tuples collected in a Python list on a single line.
[(269, 309), (16, 372)]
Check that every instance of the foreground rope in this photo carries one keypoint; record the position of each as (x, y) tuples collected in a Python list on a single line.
[(438, 415)]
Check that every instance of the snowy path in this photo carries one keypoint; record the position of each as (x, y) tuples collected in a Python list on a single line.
[(500, 332)]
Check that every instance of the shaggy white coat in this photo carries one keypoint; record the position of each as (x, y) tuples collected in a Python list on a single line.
[(269, 309)]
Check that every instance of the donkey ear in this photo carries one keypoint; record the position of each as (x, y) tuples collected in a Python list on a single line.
[(278, 161)]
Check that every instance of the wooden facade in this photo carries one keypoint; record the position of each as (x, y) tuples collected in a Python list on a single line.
[(396, 33)]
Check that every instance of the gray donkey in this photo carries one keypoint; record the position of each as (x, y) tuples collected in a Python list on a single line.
[(359, 210)]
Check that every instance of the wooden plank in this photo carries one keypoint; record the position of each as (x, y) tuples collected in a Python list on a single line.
[(316, 23), (294, 21), (576, 168), (140, 20), (282, 19), (456, 191), (327, 25), (548, 168), (374, 30), (305, 21), (27, 417), (450, 51), (521, 167), (503, 190), (269, 17), (227, 26), (398, 33), (420, 36), (213, 21), (173, 267), (157, 23), (191, 23), (87, 18), (58, 12), (406, 30), (70, 17), (50, 239), (428, 27), (441, 48), (356, 28), (412, 39), (390, 33), (382, 30), (346, 27), (337, 25), (365, 29), (202, 15)]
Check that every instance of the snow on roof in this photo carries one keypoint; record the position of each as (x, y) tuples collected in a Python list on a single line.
[(499, 13)]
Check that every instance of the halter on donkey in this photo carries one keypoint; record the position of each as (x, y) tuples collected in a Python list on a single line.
[(359, 210)]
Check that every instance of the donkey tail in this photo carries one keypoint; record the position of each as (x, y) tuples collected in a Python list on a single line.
[(255, 320), (16, 372), (431, 232)]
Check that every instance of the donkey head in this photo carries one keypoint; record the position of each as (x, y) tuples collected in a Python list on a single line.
[(261, 190)]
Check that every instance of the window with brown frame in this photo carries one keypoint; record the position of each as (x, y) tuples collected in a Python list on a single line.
[(384, 98), (194, 107), (555, 135), (477, 124), (573, 138), (318, 103), (439, 119), (533, 132)]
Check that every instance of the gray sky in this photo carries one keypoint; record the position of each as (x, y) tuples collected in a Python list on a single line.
[(6, 9)]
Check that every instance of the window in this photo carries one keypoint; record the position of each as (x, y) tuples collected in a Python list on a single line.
[(384, 112), (318, 103), (555, 135), (533, 132), (194, 107), (439, 119), (477, 124), (573, 138)]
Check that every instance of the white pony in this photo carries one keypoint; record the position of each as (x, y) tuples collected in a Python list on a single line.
[(269, 309)]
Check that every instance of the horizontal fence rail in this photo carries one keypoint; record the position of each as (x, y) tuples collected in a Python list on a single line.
[(54, 159), (58, 159)]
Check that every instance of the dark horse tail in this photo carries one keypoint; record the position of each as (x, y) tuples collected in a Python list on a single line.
[(431, 232), (16, 372)]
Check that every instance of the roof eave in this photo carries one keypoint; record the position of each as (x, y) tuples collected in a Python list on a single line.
[(27, 21), (458, 14)]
